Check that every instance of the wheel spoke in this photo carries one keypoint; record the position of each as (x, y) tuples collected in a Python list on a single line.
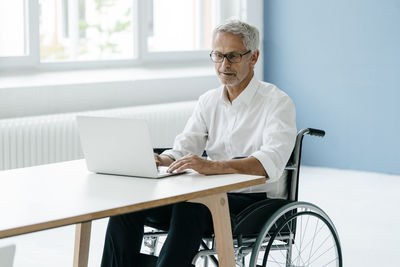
[(305, 229), (275, 261), (319, 248), (330, 262), (301, 234), (294, 243), (323, 253), (312, 244), (281, 238), (311, 241)]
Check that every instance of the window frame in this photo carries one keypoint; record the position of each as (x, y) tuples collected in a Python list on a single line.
[(141, 55), (32, 42)]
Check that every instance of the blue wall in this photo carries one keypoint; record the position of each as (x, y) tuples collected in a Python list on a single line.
[(339, 60)]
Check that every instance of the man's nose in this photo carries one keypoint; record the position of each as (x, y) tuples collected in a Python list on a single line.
[(226, 63)]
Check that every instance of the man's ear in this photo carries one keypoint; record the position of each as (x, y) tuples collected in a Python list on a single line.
[(254, 57)]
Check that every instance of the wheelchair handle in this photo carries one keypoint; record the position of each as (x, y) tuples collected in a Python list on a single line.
[(315, 132)]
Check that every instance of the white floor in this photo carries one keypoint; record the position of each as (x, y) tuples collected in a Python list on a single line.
[(363, 207)]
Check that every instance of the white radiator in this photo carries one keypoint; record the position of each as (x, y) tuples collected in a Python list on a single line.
[(39, 140)]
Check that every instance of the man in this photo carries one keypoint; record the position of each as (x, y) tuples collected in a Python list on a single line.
[(242, 118)]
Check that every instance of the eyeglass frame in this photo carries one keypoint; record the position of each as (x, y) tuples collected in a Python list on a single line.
[(226, 56)]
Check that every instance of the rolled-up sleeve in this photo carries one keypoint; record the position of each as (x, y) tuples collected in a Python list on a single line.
[(279, 137)]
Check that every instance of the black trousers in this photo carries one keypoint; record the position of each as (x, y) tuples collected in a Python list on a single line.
[(188, 223)]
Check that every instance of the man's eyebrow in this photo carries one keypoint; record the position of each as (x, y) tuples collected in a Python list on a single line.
[(231, 52)]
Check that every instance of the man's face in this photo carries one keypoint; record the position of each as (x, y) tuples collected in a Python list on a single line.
[(233, 74)]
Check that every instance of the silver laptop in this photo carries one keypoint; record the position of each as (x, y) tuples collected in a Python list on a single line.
[(7, 256), (118, 146)]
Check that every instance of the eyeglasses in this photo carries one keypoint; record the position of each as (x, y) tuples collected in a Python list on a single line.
[(231, 57)]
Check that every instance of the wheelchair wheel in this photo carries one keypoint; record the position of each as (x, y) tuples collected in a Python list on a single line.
[(298, 234)]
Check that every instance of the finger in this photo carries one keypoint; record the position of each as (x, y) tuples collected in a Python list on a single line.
[(183, 167), (157, 159), (177, 164), (179, 161), (174, 166)]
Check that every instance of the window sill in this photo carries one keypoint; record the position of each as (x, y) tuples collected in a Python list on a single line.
[(32, 78), (30, 93)]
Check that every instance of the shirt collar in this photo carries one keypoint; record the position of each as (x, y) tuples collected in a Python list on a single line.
[(244, 97)]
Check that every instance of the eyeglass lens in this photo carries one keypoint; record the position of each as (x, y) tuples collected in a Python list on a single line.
[(232, 57)]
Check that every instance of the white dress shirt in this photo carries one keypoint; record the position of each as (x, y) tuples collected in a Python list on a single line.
[(260, 123)]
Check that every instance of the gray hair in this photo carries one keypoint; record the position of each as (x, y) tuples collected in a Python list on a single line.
[(249, 33)]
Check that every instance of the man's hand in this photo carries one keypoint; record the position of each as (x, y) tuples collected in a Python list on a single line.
[(162, 160), (196, 163)]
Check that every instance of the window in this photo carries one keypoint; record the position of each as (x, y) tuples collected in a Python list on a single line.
[(12, 28), (165, 33), (82, 33), (86, 29)]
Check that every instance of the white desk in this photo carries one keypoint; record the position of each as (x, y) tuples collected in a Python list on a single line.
[(54, 195)]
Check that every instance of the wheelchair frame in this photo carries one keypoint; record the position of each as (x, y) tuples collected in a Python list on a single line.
[(280, 228)]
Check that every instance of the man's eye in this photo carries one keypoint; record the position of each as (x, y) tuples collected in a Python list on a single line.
[(219, 56)]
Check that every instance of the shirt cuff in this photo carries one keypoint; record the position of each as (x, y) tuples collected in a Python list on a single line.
[(270, 168)]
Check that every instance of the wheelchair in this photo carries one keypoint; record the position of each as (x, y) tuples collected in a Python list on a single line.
[(297, 234)]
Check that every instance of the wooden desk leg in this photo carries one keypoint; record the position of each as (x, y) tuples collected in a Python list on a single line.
[(218, 205), (82, 243)]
